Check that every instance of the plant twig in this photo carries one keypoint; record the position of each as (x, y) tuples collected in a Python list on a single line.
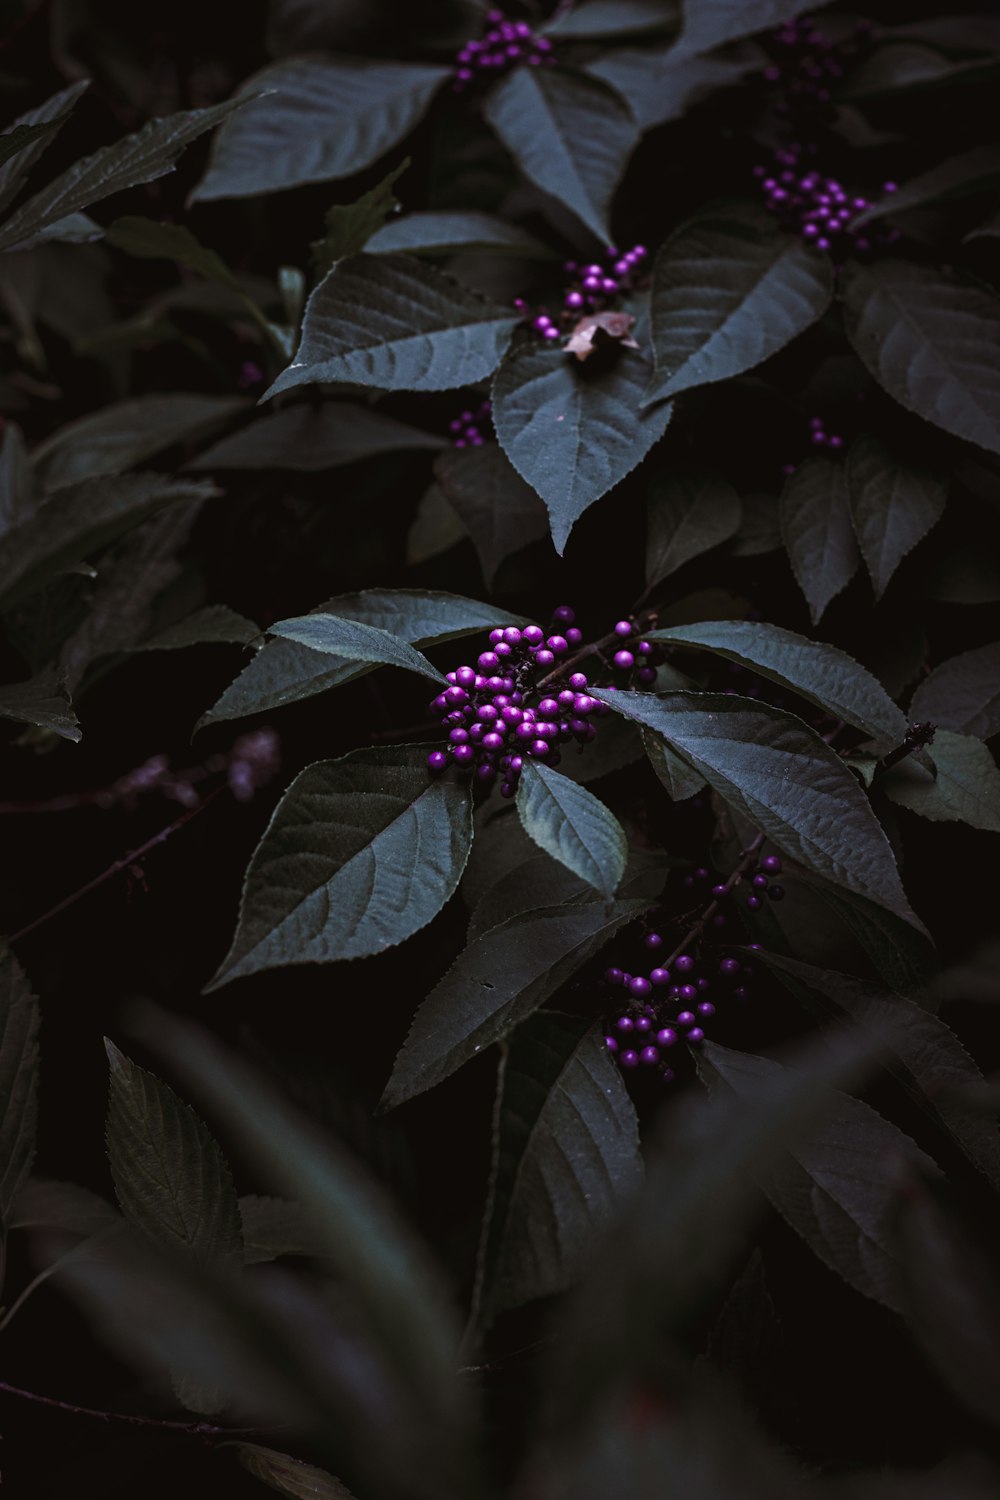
[(697, 927), (196, 1429), (916, 737)]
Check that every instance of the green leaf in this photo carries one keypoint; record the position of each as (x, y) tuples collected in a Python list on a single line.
[(781, 777), (413, 1400), (570, 134), (214, 624), (355, 642), (497, 982), (893, 506), (399, 325), (499, 510), (760, 527), (929, 338), (18, 497), (289, 1476), (680, 1237), (533, 883), (678, 778), (821, 674), (963, 693), (273, 1227), (573, 826), (817, 531), (44, 124), (316, 119), (149, 240), (334, 875), (727, 295), (837, 1190), (444, 232), (42, 701), (124, 433), (349, 226), (566, 1159), (19, 1021), (904, 958), (690, 511), (619, 744), (573, 430), (919, 1049), (600, 18), (82, 518), (285, 672), (171, 1179), (65, 1206), (150, 153), (313, 438), (972, 172), (710, 23), (662, 85), (966, 788)]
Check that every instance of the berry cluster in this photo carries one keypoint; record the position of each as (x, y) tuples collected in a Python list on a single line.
[(506, 45), (253, 761), (498, 712), (467, 428), (819, 437), (805, 63), (591, 288), (818, 208), (669, 1006), (632, 655)]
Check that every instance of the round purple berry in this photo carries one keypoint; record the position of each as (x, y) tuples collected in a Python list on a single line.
[(564, 614), (684, 964), (653, 940), (659, 976), (629, 1058), (666, 1037), (640, 986), (544, 657), (771, 864), (760, 882), (613, 976), (650, 1056), (753, 902), (463, 755), (623, 629), (436, 761), (624, 660), (611, 1043), (625, 1024), (686, 1018), (532, 635), (694, 1036), (730, 967), (777, 893)]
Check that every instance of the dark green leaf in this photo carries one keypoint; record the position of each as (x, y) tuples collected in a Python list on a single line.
[(600, 18), (905, 65), (284, 672), (963, 693), (726, 296), (289, 1476), (920, 1049), (42, 701), (929, 338), (45, 1204), (838, 1190), (215, 624), (320, 118), (690, 511), (312, 438), (817, 531), (18, 497), (334, 875), (349, 226), (171, 1179), (679, 779), (82, 518), (533, 883), (399, 325), (273, 1227), (709, 23), (965, 789), (44, 123), (19, 1020), (448, 233), (150, 240), (498, 981), (573, 826), (663, 85), (760, 528), (903, 957), (893, 506), (821, 674), (680, 1236), (952, 1298), (499, 510), (573, 430), (567, 1159), (435, 528), (570, 134), (335, 635), (150, 153), (783, 779), (388, 1276), (124, 433), (971, 172)]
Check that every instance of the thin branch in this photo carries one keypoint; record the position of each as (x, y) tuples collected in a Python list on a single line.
[(196, 1429), (697, 928), (126, 861)]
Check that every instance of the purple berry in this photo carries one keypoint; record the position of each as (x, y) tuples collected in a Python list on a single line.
[(649, 1055), (625, 1024), (558, 645), (659, 976), (436, 761), (653, 940), (688, 992), (611, 1043), (629, 1058), (730, 967), (694, 1036), (574, 636), (564, 614), (539, 749), (532, 635), (613, 976), (719, 891), (771, 864), (684, 964), (544, 658), (623, 629), (753, 902), (643, 1023), (777, 893), (706, 1008), (760, 882), (666, 1037), (686, 1018), (463, 755), (640, 986)]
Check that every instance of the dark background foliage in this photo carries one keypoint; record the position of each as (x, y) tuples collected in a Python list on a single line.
[(832, 1330)]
